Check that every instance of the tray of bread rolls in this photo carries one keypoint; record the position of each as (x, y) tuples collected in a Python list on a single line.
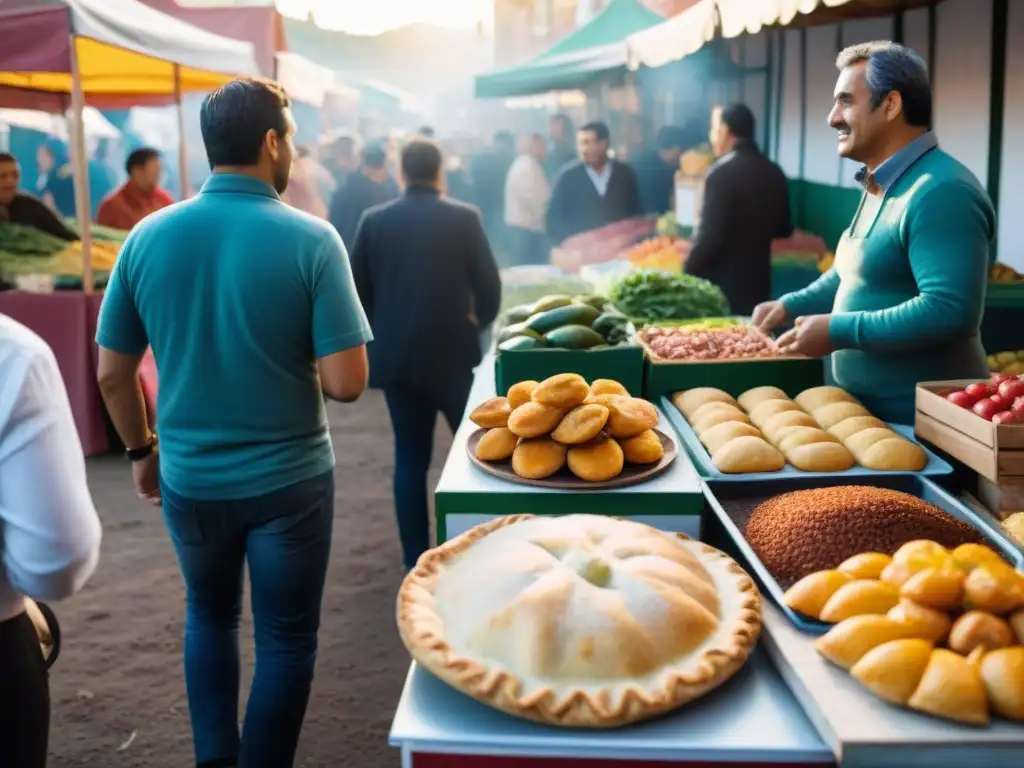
[(765, 434), (789, 529)]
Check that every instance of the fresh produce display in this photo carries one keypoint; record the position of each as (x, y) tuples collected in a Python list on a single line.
[(1003, 273), (930, 629), (1007, 363), (67, 262), (17, 239), (593, 429), (525, 293), (824, 430), (579, 621), (663, 252), (651, 294), (693, 326), (999, 400), (689, 344), (667, 225), (600, 245), (563, 322)]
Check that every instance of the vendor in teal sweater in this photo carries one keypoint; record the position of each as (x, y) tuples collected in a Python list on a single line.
[(904, 299)]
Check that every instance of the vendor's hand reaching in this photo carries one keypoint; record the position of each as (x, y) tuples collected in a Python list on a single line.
[(809, 336), (768, 316), (146, 476)]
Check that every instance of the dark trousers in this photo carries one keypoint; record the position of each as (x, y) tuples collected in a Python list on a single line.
[(24, 695), (528, 247), (285, 537), (413, 417)]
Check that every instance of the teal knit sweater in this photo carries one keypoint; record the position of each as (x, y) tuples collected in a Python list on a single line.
[(907, 290)]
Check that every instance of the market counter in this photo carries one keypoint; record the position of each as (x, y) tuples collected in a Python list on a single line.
[(752, 720), (467, 496)]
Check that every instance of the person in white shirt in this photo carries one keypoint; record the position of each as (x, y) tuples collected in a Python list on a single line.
[(527, 192), (49, 530)]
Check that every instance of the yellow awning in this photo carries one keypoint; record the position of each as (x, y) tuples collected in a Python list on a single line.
[(674, 39)]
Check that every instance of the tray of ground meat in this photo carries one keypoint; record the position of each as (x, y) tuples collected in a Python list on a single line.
[(788, 529)]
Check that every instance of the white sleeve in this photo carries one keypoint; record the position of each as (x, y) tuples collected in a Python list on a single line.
[(51, 532)]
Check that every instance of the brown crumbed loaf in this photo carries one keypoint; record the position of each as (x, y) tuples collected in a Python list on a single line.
[(798, 533)]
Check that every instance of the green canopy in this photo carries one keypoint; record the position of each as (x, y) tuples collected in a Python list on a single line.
[(597, 47)]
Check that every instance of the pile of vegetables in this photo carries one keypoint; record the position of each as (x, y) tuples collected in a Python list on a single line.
[(517, 295), (19, 240), (652, 295), (563, 322)]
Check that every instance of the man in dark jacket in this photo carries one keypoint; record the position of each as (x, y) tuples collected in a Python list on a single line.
[(18, 208), (656, 170), (428, 282), (593, 191), (371, 185), (746, 206)]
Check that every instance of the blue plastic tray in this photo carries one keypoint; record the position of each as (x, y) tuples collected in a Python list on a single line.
[(706, 469), (733, 503)]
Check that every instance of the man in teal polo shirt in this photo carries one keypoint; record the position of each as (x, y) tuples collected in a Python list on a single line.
[(904, 300), (252, 314)]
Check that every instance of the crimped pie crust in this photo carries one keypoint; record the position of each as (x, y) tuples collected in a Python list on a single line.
[(593, 704)]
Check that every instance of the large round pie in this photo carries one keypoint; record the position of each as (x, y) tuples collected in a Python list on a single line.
[(579, 621)]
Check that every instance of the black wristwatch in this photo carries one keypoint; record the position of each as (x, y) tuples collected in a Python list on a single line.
[(138, 454)]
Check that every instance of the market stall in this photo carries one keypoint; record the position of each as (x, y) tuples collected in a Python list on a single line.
[(69, 53)]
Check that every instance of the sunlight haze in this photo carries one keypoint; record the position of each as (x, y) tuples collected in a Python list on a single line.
[(371, 17)]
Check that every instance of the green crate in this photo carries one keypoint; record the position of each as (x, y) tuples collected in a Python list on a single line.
[(792, 375), (1005, 296), (624, 364)]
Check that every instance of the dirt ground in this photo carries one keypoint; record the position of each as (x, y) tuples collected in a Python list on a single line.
[(118, 691)]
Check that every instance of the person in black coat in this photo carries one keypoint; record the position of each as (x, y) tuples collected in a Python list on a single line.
[(746, 206), (428, 282), (656, 170), (593, 191), (370, 186)]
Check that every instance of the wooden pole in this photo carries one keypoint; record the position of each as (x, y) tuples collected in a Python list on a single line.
[(83, 207), (182, 144)]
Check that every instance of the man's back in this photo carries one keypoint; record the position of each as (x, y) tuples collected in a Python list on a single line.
[(238, 294)]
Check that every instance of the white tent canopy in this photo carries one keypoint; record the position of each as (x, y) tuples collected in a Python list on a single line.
[(674, 39), (96, 125)]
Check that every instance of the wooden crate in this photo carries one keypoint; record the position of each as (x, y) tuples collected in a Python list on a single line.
[(994, 451), (1002, 498)]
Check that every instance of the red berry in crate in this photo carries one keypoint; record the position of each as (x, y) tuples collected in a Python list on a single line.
[(1004, 417), (980, 389), (1011, 389), (1003, 403), (999, 378), (961, 399), (1018, 406), (987, 408)]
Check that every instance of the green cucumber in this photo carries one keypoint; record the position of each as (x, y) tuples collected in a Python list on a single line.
[(609, 322), (519, 314), (545, 303), (519, 343), (517, 329), (574, 314), (593, 300), (574, 337)]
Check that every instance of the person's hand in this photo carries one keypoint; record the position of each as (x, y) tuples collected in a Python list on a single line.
[(768, 316), (809, 337), (146, 477)]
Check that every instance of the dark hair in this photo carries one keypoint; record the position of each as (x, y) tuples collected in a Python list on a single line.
[(739, 120), (236, 117), (138, 158), (7, 157), (426, 131), (893, 67), (670, 137), (597, 128), (374, 155), (421, 161)]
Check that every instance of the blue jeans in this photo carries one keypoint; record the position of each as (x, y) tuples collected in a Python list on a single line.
[(285, 537)]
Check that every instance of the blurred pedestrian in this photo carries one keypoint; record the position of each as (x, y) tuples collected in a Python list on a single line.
[(138, 197), (656, 170), (371, 186), (527, 192)]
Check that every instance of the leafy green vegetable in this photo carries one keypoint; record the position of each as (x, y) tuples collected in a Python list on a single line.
[(651, 294), (29, 241)]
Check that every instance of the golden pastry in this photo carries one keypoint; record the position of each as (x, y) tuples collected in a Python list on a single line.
[(970, 556), (820, 457), (713, 414), (1002, 673), (780, 421), (939, 588), (847, 428), (995, 588), (866, 565), (690, 400), (492, 413), (817, 397), (607, 387), (977, 629), (860, 441), (895, 454), (847, 642), (582, 423), (521, 393), (719, 435), (563, 390), (629, 416), (1017, 624), (834, 413), (745, 455), (926, 623), (532, 616), (538, 458), (599, 460), (752, 398), (893, 670), (809, 595), (765, 410), (534, 420), (496, 444), (860, 598), (645, 448), (950, 687), (798, 436)]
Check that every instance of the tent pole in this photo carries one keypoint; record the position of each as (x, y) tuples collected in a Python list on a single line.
[(83, 206), (182, 144)]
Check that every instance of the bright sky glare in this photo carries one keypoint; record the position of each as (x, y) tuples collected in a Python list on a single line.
[(371, 17)]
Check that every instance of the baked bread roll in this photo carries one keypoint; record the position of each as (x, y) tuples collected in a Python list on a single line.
[(714, 414), (752, 398), (860, 598), (1002, 673), (951, 688), (816, 397), (599, 460), (798, 436), (628, 416), (893, 670), (781, 421), (926, 623), (866, 565), (760, 415), (534, 420), (894, 454), (809, 595), (496, 444), (607, 387), (859, 442), (582, 423), (538, 458), (719, 435), (834, 413), (491, 414), (563, 390), (746, 455), (847, 642), (847, 428), (977, 629), (690, 400), (521, 392), (645, 448), (820, 457)]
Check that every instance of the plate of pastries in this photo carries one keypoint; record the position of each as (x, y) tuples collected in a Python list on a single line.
[(567, 433)]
